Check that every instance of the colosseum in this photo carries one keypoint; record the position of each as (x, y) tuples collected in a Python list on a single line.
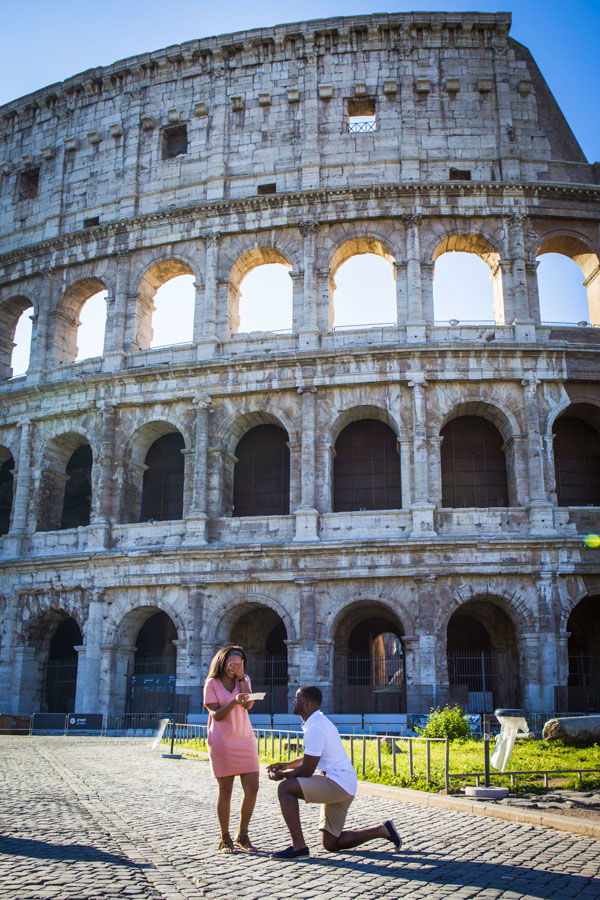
[(396, 511)]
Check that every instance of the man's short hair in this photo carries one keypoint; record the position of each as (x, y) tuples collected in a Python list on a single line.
[(312, 693)]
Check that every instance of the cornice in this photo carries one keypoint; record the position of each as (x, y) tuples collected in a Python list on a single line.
[(288, 201)]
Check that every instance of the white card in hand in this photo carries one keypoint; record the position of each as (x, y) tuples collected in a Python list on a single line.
[(256, 696)]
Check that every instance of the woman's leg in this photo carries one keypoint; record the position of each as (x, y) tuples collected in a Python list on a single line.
[(250, 787), (225, 787)]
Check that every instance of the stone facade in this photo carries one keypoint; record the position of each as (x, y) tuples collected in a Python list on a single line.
[(121, 178)]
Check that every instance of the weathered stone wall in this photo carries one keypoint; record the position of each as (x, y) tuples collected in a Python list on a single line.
[(449, 91)]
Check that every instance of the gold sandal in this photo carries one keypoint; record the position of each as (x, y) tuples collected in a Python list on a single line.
[(244, 843), (226, 844)]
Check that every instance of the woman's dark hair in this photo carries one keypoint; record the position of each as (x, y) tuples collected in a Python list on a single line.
[(217, 663)]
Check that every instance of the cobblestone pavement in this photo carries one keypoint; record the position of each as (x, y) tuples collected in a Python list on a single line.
[(94, 818)]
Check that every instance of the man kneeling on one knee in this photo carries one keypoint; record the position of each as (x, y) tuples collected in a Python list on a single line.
[(334, 786)]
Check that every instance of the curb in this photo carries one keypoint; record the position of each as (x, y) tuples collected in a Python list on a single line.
[(473, 807)]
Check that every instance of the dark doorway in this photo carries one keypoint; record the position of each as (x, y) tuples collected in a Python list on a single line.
[(371, 677), (473, 464), (153, 676), (162, 490), (366, 468), (576, 462), (261, 480), (263, 635), (77, 501), (584, 656), (6, 494), (60, 671)]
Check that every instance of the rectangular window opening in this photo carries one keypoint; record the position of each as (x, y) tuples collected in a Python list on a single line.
[(460, 175), (29, 182), (267, 188), (91, 222), (361, 116), (175, 141)]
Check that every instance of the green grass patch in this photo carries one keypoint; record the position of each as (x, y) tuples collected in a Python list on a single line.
[(391, 765)]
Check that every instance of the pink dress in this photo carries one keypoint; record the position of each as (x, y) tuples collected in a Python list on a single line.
[(232, 747)]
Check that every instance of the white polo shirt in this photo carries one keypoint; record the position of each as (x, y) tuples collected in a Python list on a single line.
[(322, 739)]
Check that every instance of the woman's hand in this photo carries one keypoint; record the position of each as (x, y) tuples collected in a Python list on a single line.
[(242, 699)]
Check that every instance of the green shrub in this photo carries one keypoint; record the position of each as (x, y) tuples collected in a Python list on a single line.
[(449, 722)]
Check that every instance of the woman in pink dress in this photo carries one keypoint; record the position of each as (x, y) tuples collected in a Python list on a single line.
[(232, 746)]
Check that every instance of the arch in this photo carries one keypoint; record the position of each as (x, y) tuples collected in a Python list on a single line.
[(233, 430), (261, 631), (362, 267), (369, 670), (144, 493), (7, 465), (261, 476), (482, 656), (575, 248), (362, 411), (239, 308), (476, 296), (66, 349), (577, 455), (473, 465), (12, 311), (488, 408), (65, 486), (366, 467), (156, 276), (583, 627), (51, 678)]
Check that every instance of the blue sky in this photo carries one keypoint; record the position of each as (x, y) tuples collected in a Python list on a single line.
[(45, 42)]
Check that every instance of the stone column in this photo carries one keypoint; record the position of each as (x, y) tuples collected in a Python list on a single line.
[(323, 676), (216, 164), (43, 333), (13, 541), (307, 649), (540, 511), (308, 330), (516, 299), (199, 316), (26, 681), (400, 268), (197, 515), (310, 154), (508, 146), (422, 508), (415, 318), (307, 517), (592, 286), (208, 343), (89, 689), (103, 468), (405, 446), (118, 307)]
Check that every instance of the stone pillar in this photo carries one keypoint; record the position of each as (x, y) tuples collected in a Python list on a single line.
[(323, 677), (510, 168), (199, 316), (541, 517), (405, 446), (208, 343), (297, 279), (310, 153), (400, 268), (117, 662), (41, 338), (308, 327), (592, 286), (307, 518), (118, 308), (13, 541), (89, 688), (103, 468), (26, 681), (216, 163), (516, 303), (197, 514), (415, 318), (422, 508)]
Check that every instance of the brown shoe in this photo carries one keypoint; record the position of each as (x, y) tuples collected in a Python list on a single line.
[(243, 842), (226, 844)]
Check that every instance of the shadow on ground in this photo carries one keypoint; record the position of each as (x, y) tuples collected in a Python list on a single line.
[(13, 846)]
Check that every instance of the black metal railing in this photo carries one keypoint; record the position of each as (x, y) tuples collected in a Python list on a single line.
[(370, 684), (481, 680), (362, 127), (584, 682)]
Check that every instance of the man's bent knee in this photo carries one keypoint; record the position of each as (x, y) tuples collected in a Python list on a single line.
[(290, 787), (330, 841)]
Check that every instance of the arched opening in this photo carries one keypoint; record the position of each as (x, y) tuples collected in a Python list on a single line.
[(369, 662), (266, 298), (584, 656), (65, 487), (473, 464), (152, 675), (364, 292), (173, 316), (362, 285), (260, 292), (77, 503), (7, 465), (162, 489), (563, 296), (165, 305), (577, 456), (261, 477), (467, 281), (15, 336), (60, 670), (81, 321), (483, 661), (263, 635), (366, 468)]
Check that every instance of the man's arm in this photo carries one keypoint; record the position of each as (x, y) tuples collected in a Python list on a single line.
[(297, 768)]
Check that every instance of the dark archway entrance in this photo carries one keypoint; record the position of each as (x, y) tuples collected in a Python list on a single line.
[(153, 673), (584, 656), (261, 478), (6, 493), (366, 468), (60, 670), (577, 458), (262, 634), (369, 666), (162, 490), (482, 658), (77, 503), (473, 464)]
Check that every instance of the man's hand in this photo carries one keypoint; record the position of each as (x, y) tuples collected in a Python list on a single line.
[(276, 771)]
